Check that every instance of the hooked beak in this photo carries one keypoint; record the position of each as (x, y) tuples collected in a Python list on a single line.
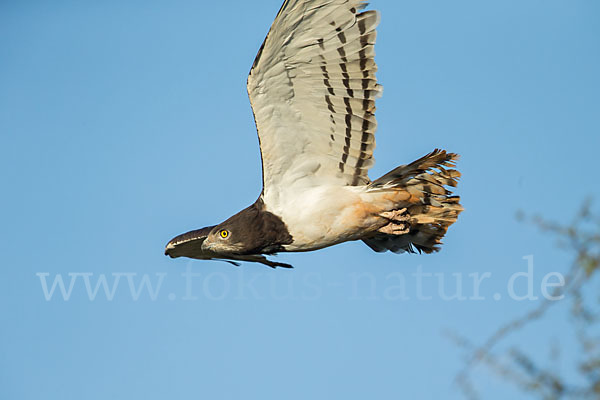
[(188, 244), (170, 247)]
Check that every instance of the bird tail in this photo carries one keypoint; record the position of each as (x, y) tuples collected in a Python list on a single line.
[(420, 220)]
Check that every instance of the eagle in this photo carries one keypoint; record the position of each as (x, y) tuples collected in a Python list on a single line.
[(313, 88)]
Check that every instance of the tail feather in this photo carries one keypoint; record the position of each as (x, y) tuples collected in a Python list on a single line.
[(431, 206)]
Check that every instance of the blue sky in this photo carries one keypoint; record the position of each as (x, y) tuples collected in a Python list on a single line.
[(126, 123)]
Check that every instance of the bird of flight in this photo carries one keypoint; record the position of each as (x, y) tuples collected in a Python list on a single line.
[(313, 89)]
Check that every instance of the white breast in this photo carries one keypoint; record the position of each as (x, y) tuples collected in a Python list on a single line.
[(318, 217)]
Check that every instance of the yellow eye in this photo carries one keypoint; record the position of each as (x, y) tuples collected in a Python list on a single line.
[(224, 234)]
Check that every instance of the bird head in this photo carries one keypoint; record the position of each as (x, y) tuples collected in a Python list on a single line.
[(251, 231)]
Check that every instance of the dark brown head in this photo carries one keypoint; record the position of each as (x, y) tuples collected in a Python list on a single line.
[(251, 231)]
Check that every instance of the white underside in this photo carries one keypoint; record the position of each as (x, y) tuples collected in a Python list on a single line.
[(321, 216)]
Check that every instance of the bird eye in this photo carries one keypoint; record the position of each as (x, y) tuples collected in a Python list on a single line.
[(224, 234)]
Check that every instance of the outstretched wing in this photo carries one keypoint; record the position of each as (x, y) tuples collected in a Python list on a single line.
[(313, 90)]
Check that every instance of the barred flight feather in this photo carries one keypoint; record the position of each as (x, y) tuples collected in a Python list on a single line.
[(313, 89)]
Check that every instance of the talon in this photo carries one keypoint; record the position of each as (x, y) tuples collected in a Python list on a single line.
[(392, 229), (396, 215), (398, 222)]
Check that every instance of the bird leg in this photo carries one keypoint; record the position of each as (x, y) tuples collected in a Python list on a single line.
[(398, 222)]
